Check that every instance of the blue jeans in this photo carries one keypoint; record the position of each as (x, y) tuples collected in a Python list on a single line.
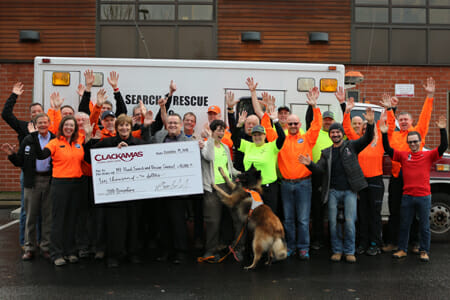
[(346, 244), (296, 198), (410, 207)]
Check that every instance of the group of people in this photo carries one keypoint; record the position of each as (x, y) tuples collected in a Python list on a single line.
[(330, 169)]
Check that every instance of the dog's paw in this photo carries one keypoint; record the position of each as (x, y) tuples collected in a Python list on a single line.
[(249, 268)]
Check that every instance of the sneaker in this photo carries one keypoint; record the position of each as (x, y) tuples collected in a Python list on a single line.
[(415, 249), (399, 254), (73, 259), (303, 255), (373, 251), (99, 255), (59, 262), (350, 258), (389, 248), (28, 255), (316, 245), (83, 253), (424, 256), (336, 257), (360, 250), (290, 252)]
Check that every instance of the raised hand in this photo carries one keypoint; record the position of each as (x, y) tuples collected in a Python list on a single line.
[(229, 98), (273, 114), (242, 118), (88, 128), (383, 125), (142, 108), (386, 101), (148, 118), (442, 122), (162, 102), (172, 88), (80, 90), (340, 95), (206, 131), (18, 88), (313, 95), (394, 101), (430, 88), (8, 149), (56, 101), (89, 79), (31, 128), (113, 79), (350, 105), (101, 97), (306, 160), (252, 85), (369, 115)]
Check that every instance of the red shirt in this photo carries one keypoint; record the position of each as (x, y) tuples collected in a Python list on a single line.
[(416, 171)]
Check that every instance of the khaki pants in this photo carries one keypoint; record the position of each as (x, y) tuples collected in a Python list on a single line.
[(37, 202)]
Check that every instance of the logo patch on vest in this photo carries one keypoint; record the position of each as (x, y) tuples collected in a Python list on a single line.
[(299, 141), (77, 146)]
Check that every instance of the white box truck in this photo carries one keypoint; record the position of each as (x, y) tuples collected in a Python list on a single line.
[(200, 83)]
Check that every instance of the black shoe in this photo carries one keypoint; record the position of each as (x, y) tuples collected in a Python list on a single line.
[(28, 255), (45, 255), (360, 250), (134, 259), (316, 245), (163, 257), (112, 263), (179, 258)]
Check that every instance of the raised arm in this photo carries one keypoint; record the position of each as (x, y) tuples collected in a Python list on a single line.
[(425, 116), (252, 85), (387, 147), (231, 103), (164, 104), (313, 132), (113, 80), (86, 95), (8, 114), (365, 140), (236, 133), (442, 124), (340, 96)]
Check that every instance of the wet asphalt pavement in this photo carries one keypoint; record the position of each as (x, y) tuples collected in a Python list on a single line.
[(378, 277)]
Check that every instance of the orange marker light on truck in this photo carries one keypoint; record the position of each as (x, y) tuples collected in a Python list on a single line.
[(328, 85), (61, 78)]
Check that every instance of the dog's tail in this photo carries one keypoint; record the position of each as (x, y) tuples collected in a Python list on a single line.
[(279, 249)]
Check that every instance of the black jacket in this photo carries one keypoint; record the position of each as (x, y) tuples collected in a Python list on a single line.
[(20, 126), (26, 158), (349, 151)]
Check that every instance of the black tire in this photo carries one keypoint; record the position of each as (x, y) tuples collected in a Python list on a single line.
[(440, 217)]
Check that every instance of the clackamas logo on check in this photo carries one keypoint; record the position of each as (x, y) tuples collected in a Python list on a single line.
[(126, 156)]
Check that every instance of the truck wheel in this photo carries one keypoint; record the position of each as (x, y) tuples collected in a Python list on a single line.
[(440, 217)]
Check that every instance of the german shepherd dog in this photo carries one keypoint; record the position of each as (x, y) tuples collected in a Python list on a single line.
[(268, 232)]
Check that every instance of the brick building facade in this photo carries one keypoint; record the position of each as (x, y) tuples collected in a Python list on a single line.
[(72, 29)]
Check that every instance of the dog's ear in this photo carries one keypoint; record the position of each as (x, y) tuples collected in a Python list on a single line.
[(250, 178)]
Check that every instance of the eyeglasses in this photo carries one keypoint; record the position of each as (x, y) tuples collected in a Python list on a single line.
[(413, 142), (293, 123)]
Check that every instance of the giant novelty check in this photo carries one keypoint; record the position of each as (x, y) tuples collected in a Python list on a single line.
[(146, 171)]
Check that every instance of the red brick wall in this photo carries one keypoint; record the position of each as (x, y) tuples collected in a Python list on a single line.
[(380, 79), (377, 80), (9, 74)]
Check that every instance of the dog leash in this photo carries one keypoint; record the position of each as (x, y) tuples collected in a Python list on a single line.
[(231, 250)]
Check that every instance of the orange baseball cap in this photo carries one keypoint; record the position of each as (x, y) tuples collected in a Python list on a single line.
[(214, 109)]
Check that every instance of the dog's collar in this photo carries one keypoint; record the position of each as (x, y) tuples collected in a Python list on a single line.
[(256, 200)]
